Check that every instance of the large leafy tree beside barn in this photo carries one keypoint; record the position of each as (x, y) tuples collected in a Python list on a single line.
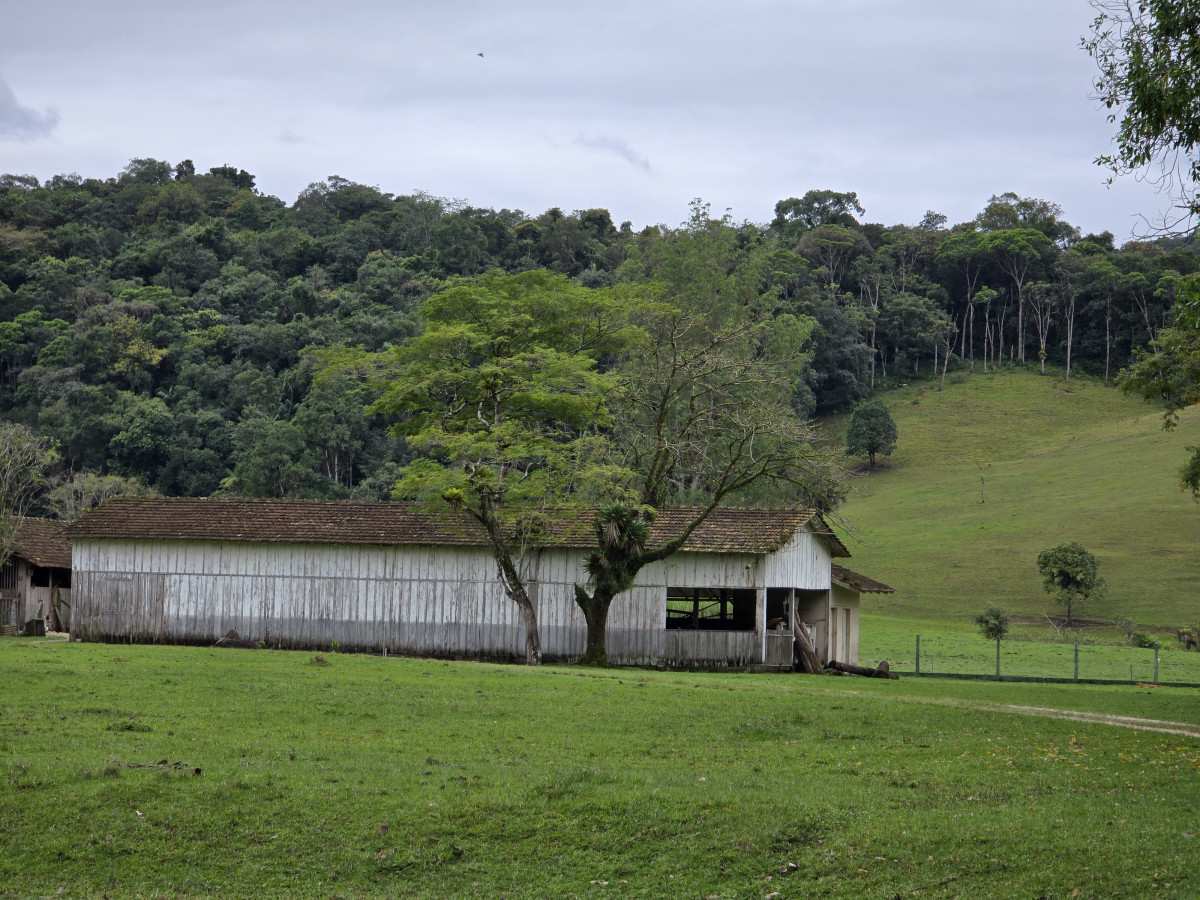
[(501, 397), (708, 409)]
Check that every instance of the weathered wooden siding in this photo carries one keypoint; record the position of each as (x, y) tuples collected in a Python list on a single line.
[(14, 592), (802, 563), (779, 649), (406, 599), (705, 648), (20, 601), (420, 600)]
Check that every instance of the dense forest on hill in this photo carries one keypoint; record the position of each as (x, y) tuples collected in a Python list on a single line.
[(162, 325)]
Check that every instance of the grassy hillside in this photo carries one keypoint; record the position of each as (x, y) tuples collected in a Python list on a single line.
[(1068, 461)]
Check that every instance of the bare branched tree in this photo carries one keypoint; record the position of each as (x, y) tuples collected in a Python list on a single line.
[(70, 497), (24, 460), (706, 413)]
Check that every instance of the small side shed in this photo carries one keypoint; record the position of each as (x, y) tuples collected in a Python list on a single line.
[(35, 582), (402, 577), (843, 610)]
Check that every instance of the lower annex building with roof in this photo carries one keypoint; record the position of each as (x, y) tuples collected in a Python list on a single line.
[(399, 577)]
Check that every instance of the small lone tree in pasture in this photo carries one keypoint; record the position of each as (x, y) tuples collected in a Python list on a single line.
[(993, 625), (1069, 573), (993, 622), (872, 431)]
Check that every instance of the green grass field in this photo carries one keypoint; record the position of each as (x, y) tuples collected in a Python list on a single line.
[(164, 771), (1068, 461), (1028, 652)]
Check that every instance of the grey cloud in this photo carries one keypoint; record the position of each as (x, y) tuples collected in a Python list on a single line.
[(616, 147), (20, 123)]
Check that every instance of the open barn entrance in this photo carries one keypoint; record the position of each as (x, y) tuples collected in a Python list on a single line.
[(812, 609), (712, 626)]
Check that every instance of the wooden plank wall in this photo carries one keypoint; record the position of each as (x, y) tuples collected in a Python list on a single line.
[(802, 563), (408, 599), (684, 646), (419, 600)]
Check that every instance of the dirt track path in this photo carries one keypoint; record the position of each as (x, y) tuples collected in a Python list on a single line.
[(1163, 726), (1160, 725)]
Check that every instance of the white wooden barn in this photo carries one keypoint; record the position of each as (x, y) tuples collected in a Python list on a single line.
[(398, 576), (35, 581)]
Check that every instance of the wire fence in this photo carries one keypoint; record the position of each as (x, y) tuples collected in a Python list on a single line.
[(976, 657)]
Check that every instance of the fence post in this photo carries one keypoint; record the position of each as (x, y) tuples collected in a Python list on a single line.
[(997, 659), (1077, 660), (1156, 665), (918, 664)]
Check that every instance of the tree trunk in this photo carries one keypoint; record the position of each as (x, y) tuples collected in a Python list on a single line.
[(971, 332), (1107, 341), (945, 365), (533, 640), (881, 672), (1020, 324), (514, 587), (1070, 335), (874, 353), (595, 608)]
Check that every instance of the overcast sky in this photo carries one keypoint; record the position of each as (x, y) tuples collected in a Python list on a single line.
[(634, 106)]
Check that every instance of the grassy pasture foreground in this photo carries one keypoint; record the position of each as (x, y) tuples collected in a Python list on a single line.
[(398, 777)]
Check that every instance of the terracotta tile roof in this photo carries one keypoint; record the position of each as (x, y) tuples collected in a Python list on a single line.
[(351, 522), (732, 530), (860, 583), (43, 542)]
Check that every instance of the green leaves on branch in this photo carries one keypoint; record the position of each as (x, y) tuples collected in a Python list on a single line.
[(1170, 371), (872, 431), (1069, 572), (1148, 54), (993, 622), (501, 392)]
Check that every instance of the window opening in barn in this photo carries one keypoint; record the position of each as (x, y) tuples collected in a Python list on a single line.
[(711, 609), (8, 576), (49, 576), (39, 576)]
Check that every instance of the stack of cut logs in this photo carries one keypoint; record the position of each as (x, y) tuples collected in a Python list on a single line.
[(807, 661)]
